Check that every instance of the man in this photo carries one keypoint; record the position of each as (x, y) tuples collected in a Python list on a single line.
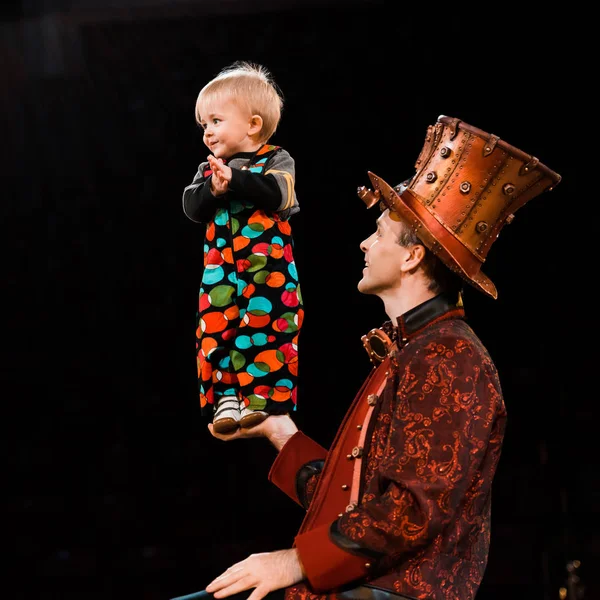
[(399, 507)]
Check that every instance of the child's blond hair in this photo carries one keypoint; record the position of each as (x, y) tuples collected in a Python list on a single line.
[(252, 87)]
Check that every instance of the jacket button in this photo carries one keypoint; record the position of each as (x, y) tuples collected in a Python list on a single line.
[(349, 456), (350, 507), (344, 487), (357, 451), (367, 565), (340, 515), (359, 427)]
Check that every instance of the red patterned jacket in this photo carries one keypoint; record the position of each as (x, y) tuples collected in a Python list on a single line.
[(422, 525)]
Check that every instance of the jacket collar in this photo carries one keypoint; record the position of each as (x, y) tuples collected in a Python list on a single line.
[(439, 308)]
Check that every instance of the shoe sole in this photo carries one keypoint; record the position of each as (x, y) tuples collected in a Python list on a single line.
[(252, 420), (226, 425)]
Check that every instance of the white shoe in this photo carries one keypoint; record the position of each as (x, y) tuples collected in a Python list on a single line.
[(249, 417), (227, 416)]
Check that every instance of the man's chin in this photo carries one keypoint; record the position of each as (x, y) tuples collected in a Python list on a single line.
[(363, 287)]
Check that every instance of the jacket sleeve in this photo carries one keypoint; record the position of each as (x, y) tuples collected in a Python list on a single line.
[(275, 190), (445, 431), (199, 204), (298, 467)]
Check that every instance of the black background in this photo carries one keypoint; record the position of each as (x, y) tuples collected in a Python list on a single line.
[(114, 487)]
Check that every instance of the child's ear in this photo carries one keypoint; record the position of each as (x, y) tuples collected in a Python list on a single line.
[(256, 124)]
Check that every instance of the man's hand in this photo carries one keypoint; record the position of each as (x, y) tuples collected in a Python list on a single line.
[(265, 572), (221, 175), (278, 429)]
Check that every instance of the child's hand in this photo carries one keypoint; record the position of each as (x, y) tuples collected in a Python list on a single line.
[(221, 175), (220, 168)]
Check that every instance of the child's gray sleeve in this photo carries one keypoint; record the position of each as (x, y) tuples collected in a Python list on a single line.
[(282, 168)]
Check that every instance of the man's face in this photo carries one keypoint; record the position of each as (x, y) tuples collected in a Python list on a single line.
[(383, 257), (226, 128)]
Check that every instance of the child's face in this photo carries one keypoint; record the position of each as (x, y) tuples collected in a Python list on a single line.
[(227, 128)]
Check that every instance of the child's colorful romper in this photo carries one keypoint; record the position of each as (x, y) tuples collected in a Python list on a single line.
[(250, 306)]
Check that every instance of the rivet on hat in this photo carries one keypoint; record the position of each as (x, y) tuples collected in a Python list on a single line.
[(491, 144), (454, 128), (431, 177), (465, 187), (481, 226), (532, 164), (509, 188), (445, 152)]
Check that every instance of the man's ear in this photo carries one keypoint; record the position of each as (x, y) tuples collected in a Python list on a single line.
[(256, 124), (413, 258)]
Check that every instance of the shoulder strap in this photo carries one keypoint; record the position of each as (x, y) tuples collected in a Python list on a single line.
[(258, 162)]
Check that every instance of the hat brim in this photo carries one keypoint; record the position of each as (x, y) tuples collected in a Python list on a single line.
[(441, 241)]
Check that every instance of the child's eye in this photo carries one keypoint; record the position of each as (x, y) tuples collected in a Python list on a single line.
[(216, 121)]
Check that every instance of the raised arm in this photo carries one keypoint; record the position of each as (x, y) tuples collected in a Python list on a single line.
[(274, 190), (199, 204)]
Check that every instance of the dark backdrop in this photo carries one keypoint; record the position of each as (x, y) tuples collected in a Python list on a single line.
[(115, 488)]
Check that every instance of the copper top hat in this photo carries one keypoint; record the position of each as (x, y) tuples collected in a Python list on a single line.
[(468, 184)]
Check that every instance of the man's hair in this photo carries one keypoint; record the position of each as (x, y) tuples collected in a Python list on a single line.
[(441, 278), (252, 87)]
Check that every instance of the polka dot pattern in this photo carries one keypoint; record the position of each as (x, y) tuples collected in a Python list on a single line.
[(250, 308)]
